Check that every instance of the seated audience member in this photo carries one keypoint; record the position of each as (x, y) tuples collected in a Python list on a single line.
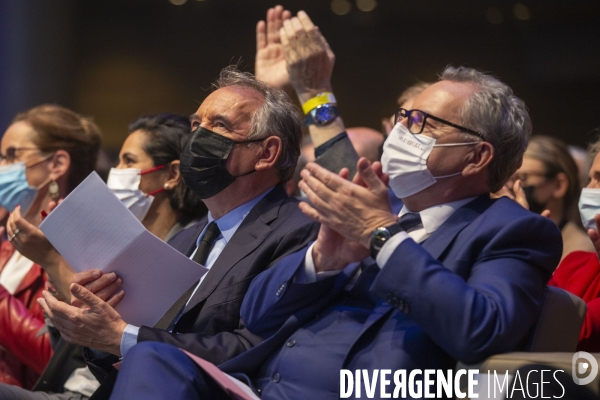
[(449, 278), (549, 178), (45, 153), (244, 146), (579, 272), (148, 163)]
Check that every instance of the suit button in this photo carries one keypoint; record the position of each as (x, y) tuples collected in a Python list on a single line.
[(291, 343), (280, 290), (276, 377)]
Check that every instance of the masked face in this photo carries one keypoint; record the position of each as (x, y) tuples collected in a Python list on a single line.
[(14, 188), (405, 157), (589, 206), (125, 184), (203, 162)]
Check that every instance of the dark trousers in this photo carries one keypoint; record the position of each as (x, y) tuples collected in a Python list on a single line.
[(154, 370)]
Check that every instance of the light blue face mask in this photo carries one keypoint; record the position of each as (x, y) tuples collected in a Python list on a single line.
[(14, 189), (589, 206)]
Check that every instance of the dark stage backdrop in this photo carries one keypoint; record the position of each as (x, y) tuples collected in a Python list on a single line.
[(119, 59)]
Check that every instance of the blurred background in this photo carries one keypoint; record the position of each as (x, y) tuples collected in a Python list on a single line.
[(116, 60)]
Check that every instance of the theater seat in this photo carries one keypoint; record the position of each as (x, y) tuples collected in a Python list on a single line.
[(552, 342)]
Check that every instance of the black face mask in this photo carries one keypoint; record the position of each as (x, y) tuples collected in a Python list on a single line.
[(534, 205), (203, 162)]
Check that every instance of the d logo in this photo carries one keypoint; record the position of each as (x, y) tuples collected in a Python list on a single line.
[(584, 368)]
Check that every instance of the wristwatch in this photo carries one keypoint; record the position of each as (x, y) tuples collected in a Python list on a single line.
[(381, 235), (322, 115)]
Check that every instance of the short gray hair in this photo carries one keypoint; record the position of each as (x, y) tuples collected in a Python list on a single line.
[(278, 116), (500, 116)]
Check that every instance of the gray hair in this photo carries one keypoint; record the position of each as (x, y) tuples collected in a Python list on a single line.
[(278, 116), (500, 116)]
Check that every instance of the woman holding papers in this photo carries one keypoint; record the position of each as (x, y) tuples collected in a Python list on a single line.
[(148, 182), (45, 153)]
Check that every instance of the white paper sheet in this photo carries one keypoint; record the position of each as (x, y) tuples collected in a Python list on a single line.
[(92, 229)]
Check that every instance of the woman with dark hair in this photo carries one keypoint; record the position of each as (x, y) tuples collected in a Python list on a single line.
[(550, 180), (45, 153), (147, 179)]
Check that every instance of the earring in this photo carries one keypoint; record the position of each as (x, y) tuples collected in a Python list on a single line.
[(53, 190), (167, 187)]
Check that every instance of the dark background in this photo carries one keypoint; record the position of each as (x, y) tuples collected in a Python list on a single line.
[(118, 59)]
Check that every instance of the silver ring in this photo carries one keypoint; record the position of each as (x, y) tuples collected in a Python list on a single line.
[(17, 231)]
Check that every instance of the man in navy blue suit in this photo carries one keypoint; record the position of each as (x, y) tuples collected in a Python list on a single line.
[(454, 276)]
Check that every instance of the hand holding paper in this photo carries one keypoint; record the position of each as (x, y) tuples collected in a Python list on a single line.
[(92, 229)]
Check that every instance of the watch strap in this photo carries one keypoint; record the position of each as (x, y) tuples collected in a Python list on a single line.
[(318, 100)]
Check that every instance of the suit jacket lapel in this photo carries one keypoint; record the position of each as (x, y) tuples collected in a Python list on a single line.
[(251, 233), (445, 234)]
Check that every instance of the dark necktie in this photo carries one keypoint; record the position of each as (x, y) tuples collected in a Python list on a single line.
[(409, 221), (201, 255)]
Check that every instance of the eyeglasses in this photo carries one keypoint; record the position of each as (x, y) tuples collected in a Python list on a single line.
[(11, 154), (416, 120)]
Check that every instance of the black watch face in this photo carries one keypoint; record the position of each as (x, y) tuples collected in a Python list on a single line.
[(325, 115)]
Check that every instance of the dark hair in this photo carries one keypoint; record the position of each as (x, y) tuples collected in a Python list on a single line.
[(58, 128), (166, 136), (554, 155)]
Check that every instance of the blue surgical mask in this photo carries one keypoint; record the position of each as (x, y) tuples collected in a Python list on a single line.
[(14, 189), (589, 206)]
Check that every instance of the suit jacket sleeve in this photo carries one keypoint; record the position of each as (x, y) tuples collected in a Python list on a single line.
[(493, 309), (337, 155), (274, 295)]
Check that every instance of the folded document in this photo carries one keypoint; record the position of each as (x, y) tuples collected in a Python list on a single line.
[(92, 229)]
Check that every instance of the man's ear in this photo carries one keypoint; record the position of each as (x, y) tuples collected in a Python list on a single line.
[(481, 156), (561, 185), (270, 154), (59, 165), (174, 175)]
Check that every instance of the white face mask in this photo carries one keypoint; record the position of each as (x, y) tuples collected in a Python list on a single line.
[(589, 206), (125, 184), (405, 161)]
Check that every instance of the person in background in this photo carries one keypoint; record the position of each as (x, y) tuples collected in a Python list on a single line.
[(148, 163), (549, 178), (579, 272), (405, 100), (45, 153)]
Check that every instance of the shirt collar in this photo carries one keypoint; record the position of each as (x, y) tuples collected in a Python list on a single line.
[(434, 217), (230, 222)]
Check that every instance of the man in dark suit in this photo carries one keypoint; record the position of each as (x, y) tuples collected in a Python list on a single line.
[(245, 146), (454, 276)]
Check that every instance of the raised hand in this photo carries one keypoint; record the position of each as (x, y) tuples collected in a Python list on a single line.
[(270, 64), (308, 56), (353, 209)]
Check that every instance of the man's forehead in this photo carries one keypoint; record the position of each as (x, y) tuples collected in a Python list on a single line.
[(443, 97), (231, 100)]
